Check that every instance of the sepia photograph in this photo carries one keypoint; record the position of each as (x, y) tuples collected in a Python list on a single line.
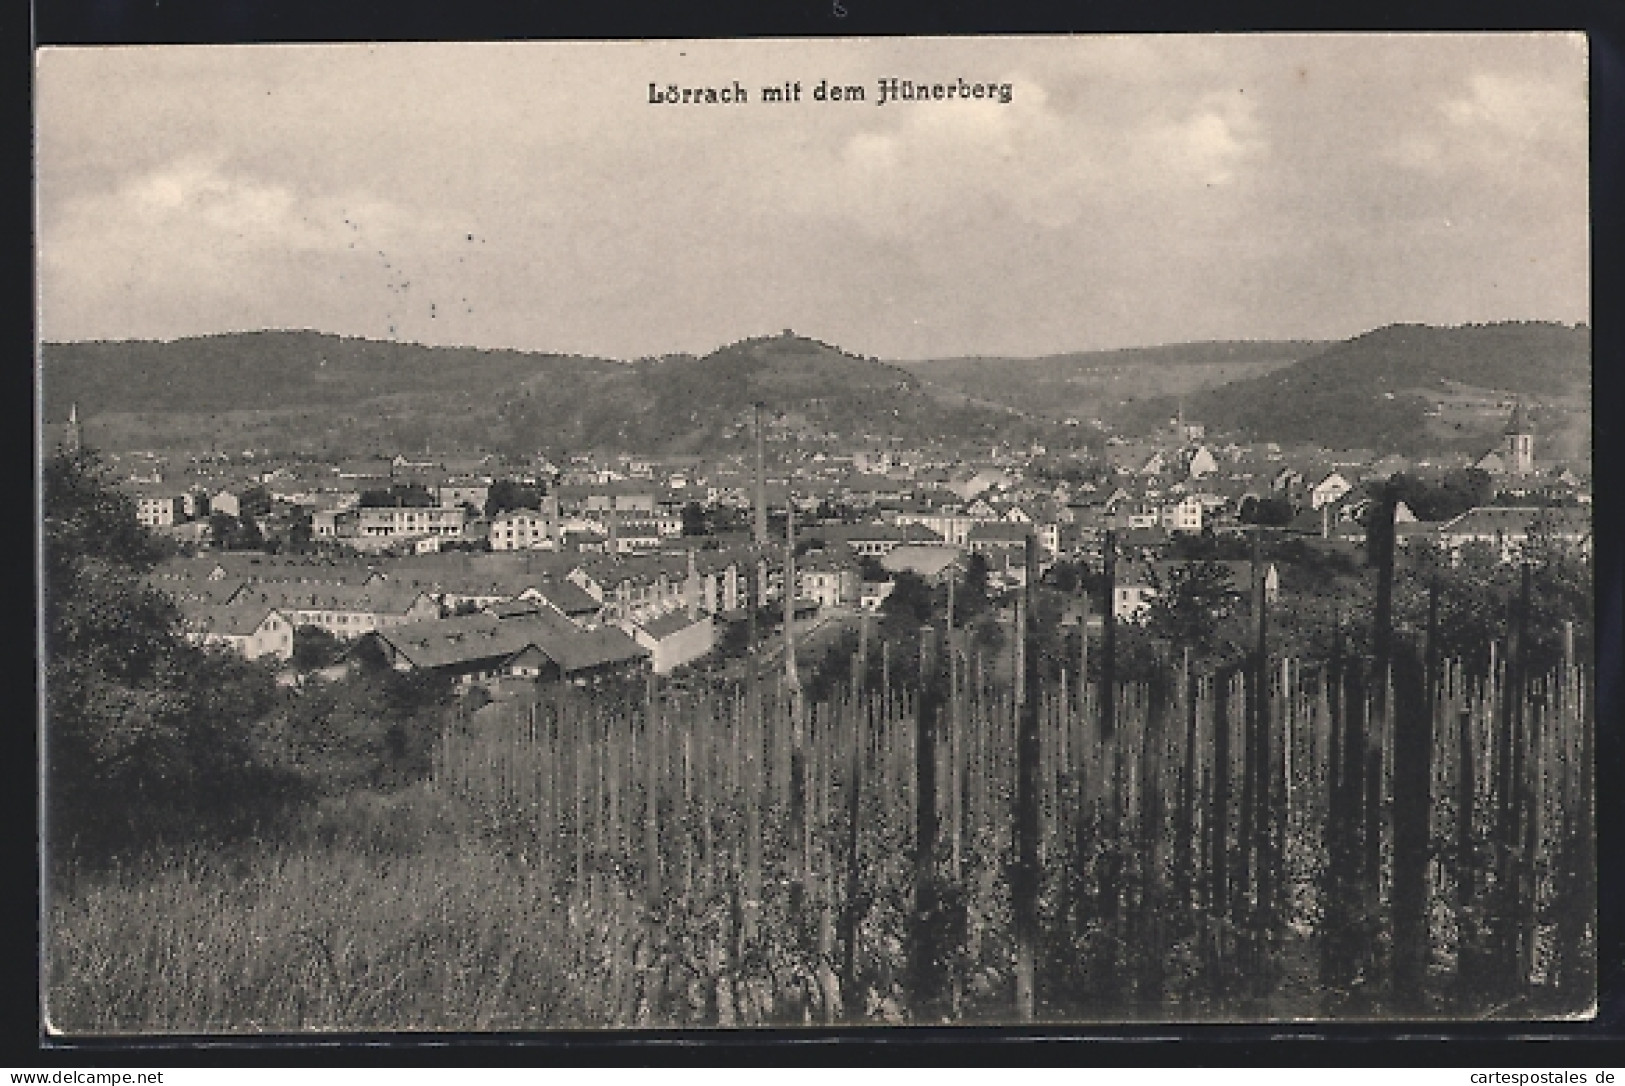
[(843, 532)]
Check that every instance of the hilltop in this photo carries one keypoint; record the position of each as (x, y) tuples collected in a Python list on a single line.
[(1382, 390), (682, 403)]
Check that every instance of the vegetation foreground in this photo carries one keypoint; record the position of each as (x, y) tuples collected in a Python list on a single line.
[(1228, 834)]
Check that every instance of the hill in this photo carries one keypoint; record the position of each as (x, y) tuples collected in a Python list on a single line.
[(1384, 389), (272, 370), (809, 389), (309, 392), (1103, 384), (1410, 389)]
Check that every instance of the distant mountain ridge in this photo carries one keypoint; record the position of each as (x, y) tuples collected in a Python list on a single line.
[(1103, 384)]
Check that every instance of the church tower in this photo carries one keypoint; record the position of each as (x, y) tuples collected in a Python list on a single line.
[(73, 439), (1520, 435)]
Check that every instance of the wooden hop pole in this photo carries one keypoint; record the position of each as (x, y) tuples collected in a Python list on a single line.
[(1025, 883)]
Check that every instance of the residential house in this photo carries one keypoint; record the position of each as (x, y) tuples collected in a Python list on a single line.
[(1329, 489), (1287, 481), (1003, 545), (1132, 593), (972, 484), (335, 524), (598, 500), (674, 638), (635, 536), (1137, 514), (463, 492), (935, 564), (158, 505), (1198, 462), (344, 611), (252, 629), (373, 470), (953, 527), (828, 577), (567, 598), (1184, 515), (871, 594), (871, 540)]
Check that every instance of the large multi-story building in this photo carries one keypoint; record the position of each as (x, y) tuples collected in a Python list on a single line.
[(400, 521), (523, 530)]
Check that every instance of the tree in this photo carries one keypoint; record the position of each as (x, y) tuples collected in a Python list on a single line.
[(1071, 576), (1452, 495), (506, 495), (144, 732), (86, 517), (231, 533), (1478, 597), (375, 728), (910, 605), (300, 533), (1271, 512), (971, 597), (1193, 606), (254, 502), (314, 647), (406, 495)]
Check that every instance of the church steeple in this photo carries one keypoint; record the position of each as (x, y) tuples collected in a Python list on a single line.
[(1520, 435)]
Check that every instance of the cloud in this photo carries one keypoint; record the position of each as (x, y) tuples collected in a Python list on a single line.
[(1209, 143), (196, 207), (1052, 161), (1500, 122), (1520, 108), (196, 230)]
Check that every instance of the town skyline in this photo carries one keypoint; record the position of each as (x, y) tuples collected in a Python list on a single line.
[(528, 196)]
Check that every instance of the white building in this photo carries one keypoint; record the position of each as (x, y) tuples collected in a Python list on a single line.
[(1184, 515), (1329, 489), (522, 530), (396, 521)]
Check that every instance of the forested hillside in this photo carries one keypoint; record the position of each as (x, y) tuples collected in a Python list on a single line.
[(1105, 384), (1376, 390), (328, 395)]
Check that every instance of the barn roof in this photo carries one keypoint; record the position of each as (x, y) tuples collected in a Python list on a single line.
[(384, 598), (1001, 531), (230, 619), (466, 639), (670, 623)]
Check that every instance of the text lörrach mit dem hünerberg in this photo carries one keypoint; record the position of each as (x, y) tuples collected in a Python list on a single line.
[(888, 89)]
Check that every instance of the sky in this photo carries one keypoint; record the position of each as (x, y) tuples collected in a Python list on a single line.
[(1133, 191)]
